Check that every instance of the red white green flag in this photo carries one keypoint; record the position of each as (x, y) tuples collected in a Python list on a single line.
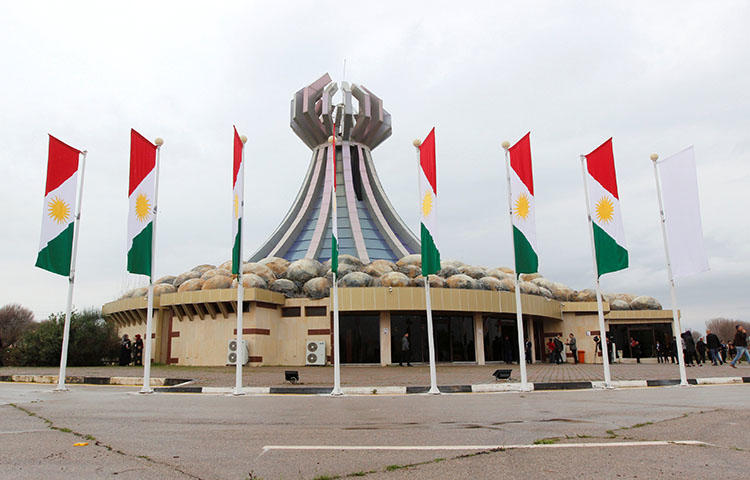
[(428, 207), (523, 207), (58, 222), (142, 199), (238, 193), (334, 214), (604, 205)]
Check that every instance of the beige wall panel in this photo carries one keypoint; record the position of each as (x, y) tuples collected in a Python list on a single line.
[(385, 338)]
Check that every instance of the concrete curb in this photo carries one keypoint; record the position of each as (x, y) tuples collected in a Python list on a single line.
[(84, 380)]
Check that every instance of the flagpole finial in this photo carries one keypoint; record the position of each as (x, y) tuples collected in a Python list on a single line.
[(505, 144), (159, 141), (243, 138), (417, 142), (654, 157), (330, 139)]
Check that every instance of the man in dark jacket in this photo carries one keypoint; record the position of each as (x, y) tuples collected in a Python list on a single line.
[(673, 350), (740, 343), (689, 350), (405, 351), (559, 347), (714, 345), (700, 347)]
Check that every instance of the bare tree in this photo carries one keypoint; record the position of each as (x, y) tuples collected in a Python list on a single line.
[(724, 328), (14, 321)]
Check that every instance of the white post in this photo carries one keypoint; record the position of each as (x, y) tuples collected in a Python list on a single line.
[(336, 351), (600, 309), (430, 340), (675, 316), (240, 285), (71, 282), (519, 308), (150, 311)]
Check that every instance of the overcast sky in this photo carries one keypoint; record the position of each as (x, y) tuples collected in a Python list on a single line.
[(655, 76)]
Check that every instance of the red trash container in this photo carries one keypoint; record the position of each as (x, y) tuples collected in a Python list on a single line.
[(581, 356)]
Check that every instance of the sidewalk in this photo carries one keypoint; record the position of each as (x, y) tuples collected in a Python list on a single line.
[(361, 375)]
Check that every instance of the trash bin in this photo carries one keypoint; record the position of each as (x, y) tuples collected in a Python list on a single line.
[(581, 356)]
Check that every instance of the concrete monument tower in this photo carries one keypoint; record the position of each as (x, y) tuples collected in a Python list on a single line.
[(368, 226)]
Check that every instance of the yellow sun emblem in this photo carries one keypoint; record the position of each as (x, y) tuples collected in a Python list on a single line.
[(142, 207), (58, 210), (427, 204), (236, 207), (605, 210), (522, 207)]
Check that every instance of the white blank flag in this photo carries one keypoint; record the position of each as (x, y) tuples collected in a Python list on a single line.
[(682, 212)]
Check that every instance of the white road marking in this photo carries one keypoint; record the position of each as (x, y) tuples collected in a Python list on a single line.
[(486, 447)]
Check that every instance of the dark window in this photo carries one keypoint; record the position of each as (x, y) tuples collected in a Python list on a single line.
[(356, 175), (500, 339), (360, 342), (315, 311), (454, 337), (291, 311)]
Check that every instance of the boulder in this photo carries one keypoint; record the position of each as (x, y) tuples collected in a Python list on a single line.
[(183, 277), (165, 279), (216, 282), (317, 287), (459, 281), (140, 292), (287, 287), (379, 267), (203, 268), (302, 270), (508, 284), (626, 297), (394, 279), (435, 281), (355, 279), (557, 289), (527, 277), (448, 271), (499, 274), (160, 288), (344, 268), (451, 263), (226, 266), (473, 271), (505, 270), (645, 303), (618, 304), (260, 270), (214, 272), (546, 293), (277, 265), (190, 285), (376, 282), (490, 283), (251, 280), (411, 271), (413, 259), (351, 260), (529, 288), (586, 295)]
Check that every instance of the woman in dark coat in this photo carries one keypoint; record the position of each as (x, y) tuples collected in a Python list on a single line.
[(125, 351), (138, 350)]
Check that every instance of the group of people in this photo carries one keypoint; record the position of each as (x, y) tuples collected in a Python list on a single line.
[(556, 349), (710, 348), (131, 352)]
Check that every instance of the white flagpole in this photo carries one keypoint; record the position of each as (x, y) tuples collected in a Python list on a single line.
[(434, 390), (519, 307), (335, 297), (71, 282), (150, 311), (602, 331), (675, 316), (240, 285)]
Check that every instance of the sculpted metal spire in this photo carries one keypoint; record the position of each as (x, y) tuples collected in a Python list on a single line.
[(369, 227)]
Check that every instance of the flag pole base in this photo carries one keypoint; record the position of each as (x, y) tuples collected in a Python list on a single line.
[(526, 387), (146, 390), (237, 393), (61, 389), (434, 391), (336, 392)]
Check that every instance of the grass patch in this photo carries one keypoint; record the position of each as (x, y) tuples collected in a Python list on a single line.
[(639, 425), (391, 468), (546, 441), (326, 477)]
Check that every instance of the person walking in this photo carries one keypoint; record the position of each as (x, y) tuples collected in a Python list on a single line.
[(572, 344), (125, 347), (659, 352), (714, 345), (635, 349), (507, 350), (138, 350), (740, 344), (405, 351), (527, 351), (689, 350), (559, 350), (673, 350), (700, 347)]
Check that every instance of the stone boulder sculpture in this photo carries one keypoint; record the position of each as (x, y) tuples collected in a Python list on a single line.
[(394, 279), (355, 279), (317, 287), (435, 281), (183, 277), (300, 271), (645, 303), (286, 287), (190, 285), (460, 281), (277, 265)]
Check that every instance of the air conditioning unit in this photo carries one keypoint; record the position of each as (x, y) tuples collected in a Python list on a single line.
[(315, 353), (234, 353)]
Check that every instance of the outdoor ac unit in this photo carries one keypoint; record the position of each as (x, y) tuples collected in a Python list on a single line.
[(315, 353), (233, 353)]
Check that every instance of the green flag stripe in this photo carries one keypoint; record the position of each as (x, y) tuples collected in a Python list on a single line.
[(610, 256), (430, 253), (236, 253), (334, 254), (527, 260), (139, 255), (55, 256)]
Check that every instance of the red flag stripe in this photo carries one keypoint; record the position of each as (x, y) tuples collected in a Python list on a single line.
[(62, 163), (334, 157), (427, 159), (520, 161), (237, 157), (601, 165), (142, 159)]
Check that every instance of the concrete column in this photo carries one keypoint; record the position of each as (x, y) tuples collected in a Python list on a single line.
[(385, 338), (479, 338), (532, 339)]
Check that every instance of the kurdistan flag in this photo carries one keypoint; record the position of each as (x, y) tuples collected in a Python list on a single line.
[(523, 207), (428, 207), (141, 199), (604, 207), (238, 193), (334, 214), (56, 245)]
